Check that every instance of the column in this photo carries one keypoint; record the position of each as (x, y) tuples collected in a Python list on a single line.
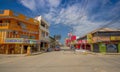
[(91, 45), (38, 47), (22, 49), (7, 49)]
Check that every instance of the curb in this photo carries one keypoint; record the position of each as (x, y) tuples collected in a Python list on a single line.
[(112, 54), (36, 53)]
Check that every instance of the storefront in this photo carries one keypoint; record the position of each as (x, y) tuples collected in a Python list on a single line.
[(18, 46), (82, 44)]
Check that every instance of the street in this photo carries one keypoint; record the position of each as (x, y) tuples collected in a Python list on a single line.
[(61, 61)]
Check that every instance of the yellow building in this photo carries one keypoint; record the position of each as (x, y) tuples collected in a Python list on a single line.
[(105, 40), (17, 33)]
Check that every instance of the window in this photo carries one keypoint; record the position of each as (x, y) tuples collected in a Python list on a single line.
[(1, 21), (42, 24), (47, 34), (7, 21), (23, 26), (43, 34), (2, 24), (32, 37)]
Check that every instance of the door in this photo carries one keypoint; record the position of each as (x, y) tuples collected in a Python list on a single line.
[(112, 48), (96, 48)]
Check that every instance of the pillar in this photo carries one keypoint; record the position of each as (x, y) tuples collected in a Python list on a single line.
[(7, 49), (43, 46), (91, 45), (38, 47), (22, 49)]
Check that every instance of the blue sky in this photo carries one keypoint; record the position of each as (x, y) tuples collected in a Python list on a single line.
[(78, 16)]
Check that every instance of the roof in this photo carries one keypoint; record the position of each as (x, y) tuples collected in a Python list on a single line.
[(105, 29), (100, 30)]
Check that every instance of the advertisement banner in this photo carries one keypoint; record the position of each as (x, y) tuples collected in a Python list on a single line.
[(14, 40), (73, 37)]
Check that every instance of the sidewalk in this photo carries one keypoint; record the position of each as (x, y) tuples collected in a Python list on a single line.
[(36, 53), (18, 55), (11, 55), (112, 54), (93, 53)]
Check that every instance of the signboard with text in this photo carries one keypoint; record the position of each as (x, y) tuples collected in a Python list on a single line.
[(21, 40)]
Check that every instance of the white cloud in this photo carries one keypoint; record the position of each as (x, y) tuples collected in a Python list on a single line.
[(54, 3), (38, 4), (81, 19), (31, 4)]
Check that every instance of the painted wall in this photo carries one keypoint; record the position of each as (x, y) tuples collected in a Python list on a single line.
[(119, 47), (102, 48)]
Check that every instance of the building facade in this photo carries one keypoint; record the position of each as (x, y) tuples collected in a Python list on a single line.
[(17, 33), (105, 40), (44, 33)]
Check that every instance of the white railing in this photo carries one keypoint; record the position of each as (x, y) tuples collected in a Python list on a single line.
[(45, 38), (44, 29)]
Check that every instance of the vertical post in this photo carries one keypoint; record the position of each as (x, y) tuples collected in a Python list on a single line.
[(85, 46), (7, 49), (38, 47), (91, 45), (43, 46), (22, 49)]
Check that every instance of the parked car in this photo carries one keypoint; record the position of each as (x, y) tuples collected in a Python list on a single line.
[(57, 48)]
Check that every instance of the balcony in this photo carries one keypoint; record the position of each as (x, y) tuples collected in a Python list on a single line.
[(44, 39), (15, 15), (44, 29), (4, 25)]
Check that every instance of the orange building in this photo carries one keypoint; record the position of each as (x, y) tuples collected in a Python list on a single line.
[(17, 33)]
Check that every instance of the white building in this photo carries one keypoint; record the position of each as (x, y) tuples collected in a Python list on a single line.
[(43, 33)]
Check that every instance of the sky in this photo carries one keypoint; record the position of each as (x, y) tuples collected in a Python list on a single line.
[(77, 16)]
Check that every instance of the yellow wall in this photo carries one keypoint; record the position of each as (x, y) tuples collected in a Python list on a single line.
[(19, 16), (31, 26), (7, 13)]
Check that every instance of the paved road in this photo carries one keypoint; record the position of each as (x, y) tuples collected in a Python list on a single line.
[(61, 61)]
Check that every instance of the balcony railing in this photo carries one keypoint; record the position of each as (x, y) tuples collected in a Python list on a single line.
[(17, 15), (44, 29), (44, 39), (4, 25)]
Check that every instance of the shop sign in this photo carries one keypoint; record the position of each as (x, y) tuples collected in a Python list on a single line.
[(82, 41), (89, 38), (73, 37), (21, 40), (13, 40), (30, 41), (115, 38)]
